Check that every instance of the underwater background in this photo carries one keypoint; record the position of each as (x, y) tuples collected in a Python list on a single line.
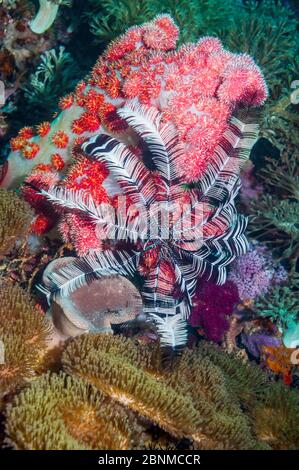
[(111, 338)]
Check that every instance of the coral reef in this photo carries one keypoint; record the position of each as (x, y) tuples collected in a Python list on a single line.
[(118, 388), (175, 260), (132, 94), (15, 218), (101, 171), (191, 401), (18, 44), (255, 272), (108, 19), (274, 217), (281, 305), (61, 412), (46, 15), (24, 332), (212, 85), (206, 395), (109, 365), (212, 306), (19, 49), (276, 418)]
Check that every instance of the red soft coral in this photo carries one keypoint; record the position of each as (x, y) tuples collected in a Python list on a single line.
[(80, 233), (46, 215)]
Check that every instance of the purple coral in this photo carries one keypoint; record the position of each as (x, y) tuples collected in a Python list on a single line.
[(255, 272), (212, 307), (254, 342)]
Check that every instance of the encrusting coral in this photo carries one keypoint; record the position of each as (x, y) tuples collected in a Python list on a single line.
[(24, 332), (59, 412), (278, 359), (15, 218)]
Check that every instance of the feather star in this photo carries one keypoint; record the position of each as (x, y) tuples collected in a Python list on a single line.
[(203, 233)]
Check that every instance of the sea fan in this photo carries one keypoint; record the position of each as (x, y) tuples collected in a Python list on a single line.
[(202, 234)]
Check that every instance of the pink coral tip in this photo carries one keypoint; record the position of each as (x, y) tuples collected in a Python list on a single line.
[(243, 82), (209, 44), (162, 34)]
